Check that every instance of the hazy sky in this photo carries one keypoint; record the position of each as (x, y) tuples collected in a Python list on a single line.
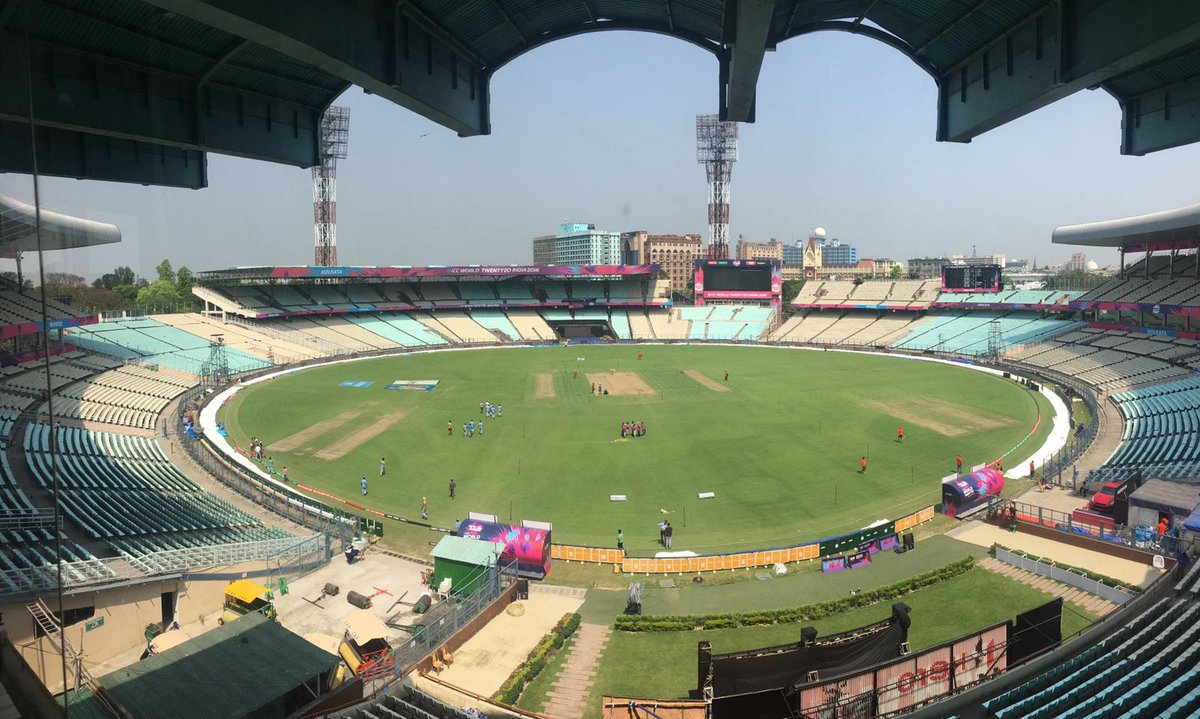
[(600, 128)]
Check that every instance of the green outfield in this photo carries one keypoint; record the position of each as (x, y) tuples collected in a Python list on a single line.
[(779, 442)]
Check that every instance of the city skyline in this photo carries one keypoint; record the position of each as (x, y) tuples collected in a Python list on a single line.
[(590, 130)]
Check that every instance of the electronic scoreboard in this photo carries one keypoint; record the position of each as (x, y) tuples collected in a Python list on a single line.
[(971, 278), (747, 280)]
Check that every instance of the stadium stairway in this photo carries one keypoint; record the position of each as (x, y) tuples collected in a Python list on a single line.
[(1092, 603)]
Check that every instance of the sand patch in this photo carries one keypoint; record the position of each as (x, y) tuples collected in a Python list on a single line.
[(705, 381), (621, 384), (545, 386), (944, 418), (306, 437), (342, 448)]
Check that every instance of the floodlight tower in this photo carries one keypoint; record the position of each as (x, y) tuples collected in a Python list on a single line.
[(716, 148), (335, 135)]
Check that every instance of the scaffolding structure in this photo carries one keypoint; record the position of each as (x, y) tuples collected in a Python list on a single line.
[(214, 371), (716, 149), (335, 136)]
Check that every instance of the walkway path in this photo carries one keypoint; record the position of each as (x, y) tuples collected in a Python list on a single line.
[(570, 690), (1092, 603)]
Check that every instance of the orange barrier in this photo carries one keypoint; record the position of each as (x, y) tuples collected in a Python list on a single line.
[(914, 519), (594, 555), (709, 563)]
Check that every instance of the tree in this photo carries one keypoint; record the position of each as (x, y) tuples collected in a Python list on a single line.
[(897, 272), (11, 277), (122, 275), (184, 279), (791, 288), (63, 279), (160, 294), (165, 272), (128, 293)]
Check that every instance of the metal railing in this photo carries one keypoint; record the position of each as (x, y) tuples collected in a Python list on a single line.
[(282, 501), (306, 551), (1065, 522), (446, 618), (1065, 575)]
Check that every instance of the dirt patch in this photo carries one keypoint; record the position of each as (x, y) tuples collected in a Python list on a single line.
[(545, 386), (621, 384), (307, 437), (706, 381), (948, 420), (361, 437)]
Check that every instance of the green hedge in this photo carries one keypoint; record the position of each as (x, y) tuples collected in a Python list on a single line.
[(533, 665), (807, 613), (1106, 581)]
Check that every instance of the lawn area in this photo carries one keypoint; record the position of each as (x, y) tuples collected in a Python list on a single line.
[(663, 664), (780, 448)]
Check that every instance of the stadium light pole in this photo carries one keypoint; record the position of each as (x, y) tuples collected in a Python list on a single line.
[(335, 136), (716, 149)]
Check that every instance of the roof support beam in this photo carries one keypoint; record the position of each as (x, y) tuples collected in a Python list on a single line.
[(745, 58), (66, 153), (1161, 119), (98, 96), (1073, 45), (416, 66)]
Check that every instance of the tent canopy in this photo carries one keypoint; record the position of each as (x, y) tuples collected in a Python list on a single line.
[(1163, 496)]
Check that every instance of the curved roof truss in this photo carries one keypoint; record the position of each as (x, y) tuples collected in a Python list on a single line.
[(154, 85)]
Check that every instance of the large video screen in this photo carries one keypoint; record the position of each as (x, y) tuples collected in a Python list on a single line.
[(971, 278), (737, 279)]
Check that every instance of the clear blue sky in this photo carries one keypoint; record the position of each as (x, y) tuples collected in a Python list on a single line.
[(600, 128)]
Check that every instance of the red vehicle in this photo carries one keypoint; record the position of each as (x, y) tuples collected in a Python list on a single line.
[(1103, 500)]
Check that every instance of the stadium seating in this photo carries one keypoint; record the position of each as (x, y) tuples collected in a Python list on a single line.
[(1102, 359), (639, 325), (1163, 286), (130, 395), (456, 326), (1146, 670), (17, 308), (971, 333), (152, 342), (402, 702), (620, 325), (1161, 426), (123, 491), (530, 325), (498, 324)]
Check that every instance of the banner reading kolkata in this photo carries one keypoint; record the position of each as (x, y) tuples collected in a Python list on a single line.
[(910, 683), (980, 656)]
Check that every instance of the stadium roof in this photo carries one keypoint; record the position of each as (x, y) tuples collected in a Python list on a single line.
[(18, 229), (233, 671), (140, 90), (1164, 230)]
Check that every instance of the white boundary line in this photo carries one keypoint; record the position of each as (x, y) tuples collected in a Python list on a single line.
[(1055, 441)]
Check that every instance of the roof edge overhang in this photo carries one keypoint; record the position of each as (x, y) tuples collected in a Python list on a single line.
[(1156, 231)]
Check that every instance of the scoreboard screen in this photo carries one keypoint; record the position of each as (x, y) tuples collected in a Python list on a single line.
[(738, 279), (971, 278)]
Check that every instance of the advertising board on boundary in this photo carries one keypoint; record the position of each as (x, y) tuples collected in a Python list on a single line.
[(910, 682)]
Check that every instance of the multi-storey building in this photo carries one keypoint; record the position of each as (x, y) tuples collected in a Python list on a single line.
[(578, 244)]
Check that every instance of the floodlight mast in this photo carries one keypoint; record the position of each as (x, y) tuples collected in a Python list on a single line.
[(335, 136), (716, 149)]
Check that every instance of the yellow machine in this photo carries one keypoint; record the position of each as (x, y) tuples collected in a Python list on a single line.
[(243, 597), (364, 647)]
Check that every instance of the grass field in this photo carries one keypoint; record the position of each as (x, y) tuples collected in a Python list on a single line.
[(780, 447), (663, 664)]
